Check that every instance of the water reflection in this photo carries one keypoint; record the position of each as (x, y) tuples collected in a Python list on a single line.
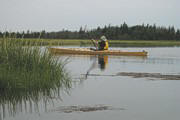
[(102, 61), (99, 61), (20, 100)]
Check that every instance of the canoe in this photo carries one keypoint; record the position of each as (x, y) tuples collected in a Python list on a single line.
[(87, 51)]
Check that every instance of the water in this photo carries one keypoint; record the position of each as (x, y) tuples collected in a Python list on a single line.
[(95, 83)]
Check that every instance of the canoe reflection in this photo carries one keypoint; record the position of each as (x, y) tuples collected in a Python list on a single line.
[(100, 62)]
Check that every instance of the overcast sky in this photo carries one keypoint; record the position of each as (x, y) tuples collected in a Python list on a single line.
[(54, 15)]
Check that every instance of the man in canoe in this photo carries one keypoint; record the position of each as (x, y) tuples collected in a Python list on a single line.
[(102, 44)]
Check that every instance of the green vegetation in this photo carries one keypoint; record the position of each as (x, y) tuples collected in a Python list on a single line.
[(27, 67), (121, 32), (28, 73), (86, 42), (143, 43)]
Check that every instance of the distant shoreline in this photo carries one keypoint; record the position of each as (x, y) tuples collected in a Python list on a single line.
[(112, 43)]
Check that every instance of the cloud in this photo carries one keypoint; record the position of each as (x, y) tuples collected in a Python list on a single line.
[(71, 14)]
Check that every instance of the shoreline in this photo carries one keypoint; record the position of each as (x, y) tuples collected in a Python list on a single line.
[(112, 43)]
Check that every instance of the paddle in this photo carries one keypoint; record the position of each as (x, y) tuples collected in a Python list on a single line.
[(94, 43)]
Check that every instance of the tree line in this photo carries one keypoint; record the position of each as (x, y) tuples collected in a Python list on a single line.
[(122, 32)]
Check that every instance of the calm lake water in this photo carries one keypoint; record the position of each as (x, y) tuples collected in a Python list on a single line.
[(95, 83)]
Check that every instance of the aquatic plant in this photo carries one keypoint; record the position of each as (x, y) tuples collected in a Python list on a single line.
[(28, 72)]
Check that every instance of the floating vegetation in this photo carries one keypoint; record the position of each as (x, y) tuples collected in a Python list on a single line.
[(140, 75), (28, 74), (70, 109), (150, 75)]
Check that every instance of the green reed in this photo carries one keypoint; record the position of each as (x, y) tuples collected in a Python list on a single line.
[(28, 72)]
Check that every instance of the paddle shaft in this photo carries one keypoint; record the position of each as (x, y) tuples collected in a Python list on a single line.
[(95, 44)]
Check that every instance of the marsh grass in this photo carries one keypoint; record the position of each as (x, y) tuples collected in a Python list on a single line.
[(28, 73), (112, 43)]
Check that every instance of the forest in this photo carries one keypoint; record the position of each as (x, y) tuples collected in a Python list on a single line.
[(121, 32)]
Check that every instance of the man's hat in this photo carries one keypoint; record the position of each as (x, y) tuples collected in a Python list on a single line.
[(103, 38)]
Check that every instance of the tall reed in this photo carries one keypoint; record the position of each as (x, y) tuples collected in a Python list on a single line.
[(28, 72)]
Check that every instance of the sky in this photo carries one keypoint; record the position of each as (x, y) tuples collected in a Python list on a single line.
[(55, 15)]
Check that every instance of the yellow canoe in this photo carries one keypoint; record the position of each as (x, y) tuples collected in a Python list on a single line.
[(87, 51)]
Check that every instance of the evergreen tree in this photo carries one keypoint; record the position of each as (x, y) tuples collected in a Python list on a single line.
[(122, 32), (178, 35), (1, 34)]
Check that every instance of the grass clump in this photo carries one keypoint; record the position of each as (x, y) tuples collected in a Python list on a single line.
[(27, 67), (28, 72)]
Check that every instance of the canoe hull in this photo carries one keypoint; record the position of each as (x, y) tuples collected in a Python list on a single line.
[(86, 51)]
